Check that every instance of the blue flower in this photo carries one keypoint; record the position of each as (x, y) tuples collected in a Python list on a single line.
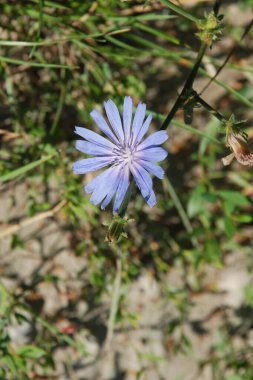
[(124, 151)]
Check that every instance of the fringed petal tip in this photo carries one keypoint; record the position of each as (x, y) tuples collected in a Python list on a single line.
[(245, 159), (241, 150)]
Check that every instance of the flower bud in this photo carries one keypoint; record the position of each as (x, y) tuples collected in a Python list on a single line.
[(116, 229), (209, 29), (212, 22)]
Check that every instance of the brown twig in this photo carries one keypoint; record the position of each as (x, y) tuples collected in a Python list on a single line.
[(12, 229), (7, 135)]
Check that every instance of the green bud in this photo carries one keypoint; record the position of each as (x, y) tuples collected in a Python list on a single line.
[(209, 29), (212, 22), (116, 229)]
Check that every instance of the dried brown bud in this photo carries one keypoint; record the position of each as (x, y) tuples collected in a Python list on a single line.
[(240, 149)]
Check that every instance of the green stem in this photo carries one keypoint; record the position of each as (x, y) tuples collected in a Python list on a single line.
[(114, 305), (126, 201), (187, 86), (194, 71)]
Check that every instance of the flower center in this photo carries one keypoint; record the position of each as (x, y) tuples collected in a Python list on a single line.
[(127, 155)]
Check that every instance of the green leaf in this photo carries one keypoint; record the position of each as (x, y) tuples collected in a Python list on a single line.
[(234, 197), (10, 363), (234, 377), (229, 227), (17, 242), (153, 358), (198, 201), (195, 205), (245, 218), (31, 352), (248, 295)]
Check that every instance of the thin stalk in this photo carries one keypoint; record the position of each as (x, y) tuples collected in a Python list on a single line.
[(114, 305), (126, 201), (194, 71), (104, 353), (187, 86), (209, 108), (179, 10), (62, 96), (41, 5), (167, 185)]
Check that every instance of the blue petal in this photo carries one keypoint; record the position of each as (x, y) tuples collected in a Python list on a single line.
[(142, 178), (102, 124), (144, 129), (91, 164), (94, 137), (152, 168), (122, 188), (104, 186), (90, 187), (157, 138), (91, 148), (138, 121), (114, 118), (113, 185), (127, 116), (151, 201), (155, 154), (101, 190)]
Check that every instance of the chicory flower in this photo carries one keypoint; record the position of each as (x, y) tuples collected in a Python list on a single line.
[(124, 150)]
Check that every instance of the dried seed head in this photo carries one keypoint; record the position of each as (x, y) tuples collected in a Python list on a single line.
[(240, 149)]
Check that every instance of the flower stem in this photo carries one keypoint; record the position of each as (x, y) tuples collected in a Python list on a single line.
[(126, 201), (114, 304), (187, 86), (192, 75), (105, 351)]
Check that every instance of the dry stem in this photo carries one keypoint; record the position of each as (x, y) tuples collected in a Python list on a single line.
[(12, 229)]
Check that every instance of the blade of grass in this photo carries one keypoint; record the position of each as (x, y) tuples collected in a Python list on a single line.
[(145, 17), (31, 43), (157, 33), (180, 11), (51, 4), (156, 49), (24, 169), (168, 188), (119, 43), (35, 64), (63, 86)]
